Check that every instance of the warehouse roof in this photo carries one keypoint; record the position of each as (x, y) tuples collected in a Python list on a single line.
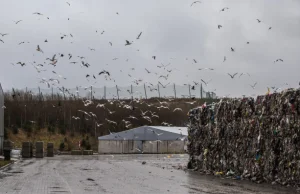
[(149, 133)]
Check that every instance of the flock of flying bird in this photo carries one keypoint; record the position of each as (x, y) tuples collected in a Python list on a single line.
[(162, 77)]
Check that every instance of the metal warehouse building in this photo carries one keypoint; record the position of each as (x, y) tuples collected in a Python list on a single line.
[(145, 139)]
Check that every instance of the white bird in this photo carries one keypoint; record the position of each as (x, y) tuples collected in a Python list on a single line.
[(147, 118), (3, 107), (163, 107), (99, 124), (112, 122), (132, 117), (144, 113), (110, 112), (177, 109), (100, 105), (76, 118), (191, 103)]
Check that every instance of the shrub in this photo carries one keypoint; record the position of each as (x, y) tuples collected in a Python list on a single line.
[(15, 130), (61, 146), (51, 129), (88, 146), (83, 143)]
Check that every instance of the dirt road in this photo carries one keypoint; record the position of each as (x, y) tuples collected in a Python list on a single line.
[(118, 174)]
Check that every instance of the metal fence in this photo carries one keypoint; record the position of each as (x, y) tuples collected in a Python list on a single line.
[(141, 91), (1, 119)]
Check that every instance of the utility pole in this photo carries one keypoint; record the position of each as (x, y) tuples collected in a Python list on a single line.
[(145, 91), (105, 92), (174, 90), (158, 90), (190, 91), (52, 94)]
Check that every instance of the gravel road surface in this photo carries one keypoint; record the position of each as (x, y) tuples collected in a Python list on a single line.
[(119, 174)]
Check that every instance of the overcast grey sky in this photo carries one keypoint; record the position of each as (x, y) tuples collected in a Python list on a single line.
[(173, 31)]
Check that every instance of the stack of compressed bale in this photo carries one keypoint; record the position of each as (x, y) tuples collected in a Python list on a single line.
[(7, 147), (50, 149), (39, 149), (247, 138), (26, 149)]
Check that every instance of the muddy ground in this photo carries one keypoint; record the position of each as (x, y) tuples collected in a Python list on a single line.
[(119, 174)]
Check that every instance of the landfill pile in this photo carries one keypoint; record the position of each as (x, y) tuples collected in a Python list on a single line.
[(248, 139)]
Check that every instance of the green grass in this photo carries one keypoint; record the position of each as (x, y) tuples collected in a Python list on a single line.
[(4, 162)]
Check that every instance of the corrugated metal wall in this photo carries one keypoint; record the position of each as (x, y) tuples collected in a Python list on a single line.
[(1, 119)]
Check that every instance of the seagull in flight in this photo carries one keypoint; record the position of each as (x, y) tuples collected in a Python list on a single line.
[(253, 86), (3, 34), (128, 43), (37, 13), (224, 9), (39, 49), (147, 70), (177, 109), (18, 21), (224, 59), (232, 49), (1, 41), (232, 76), (139, 35), (205, 81), (195, 3), (278, 60), (164, 86), (258, 20), (220, 26)]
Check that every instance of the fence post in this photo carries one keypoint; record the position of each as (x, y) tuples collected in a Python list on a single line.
[(174, 90), (190, 91), (117, 92), (91, 92), (158, 90), (25, 96), (145, 90), (201, 91), (77, 91), (39, 94)]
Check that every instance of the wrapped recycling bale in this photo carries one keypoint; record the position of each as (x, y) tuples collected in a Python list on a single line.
[(247, 138), (39, 149), (27, 149), (50, 149)]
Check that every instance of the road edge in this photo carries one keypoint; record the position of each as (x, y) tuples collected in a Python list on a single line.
[(7, 165)]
